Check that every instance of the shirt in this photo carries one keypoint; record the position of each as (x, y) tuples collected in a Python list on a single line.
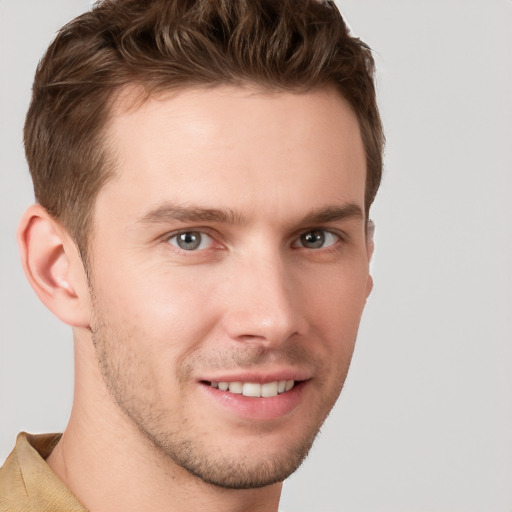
[(27, 483)]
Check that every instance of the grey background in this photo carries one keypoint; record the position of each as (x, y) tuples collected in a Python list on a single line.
[(425, 420)]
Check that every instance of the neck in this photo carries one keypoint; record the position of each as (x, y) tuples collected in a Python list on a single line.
[(110, 465)]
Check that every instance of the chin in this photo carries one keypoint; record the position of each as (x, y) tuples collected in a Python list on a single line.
[(233, 466)]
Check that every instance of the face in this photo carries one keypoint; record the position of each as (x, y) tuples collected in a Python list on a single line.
[(229, 272)]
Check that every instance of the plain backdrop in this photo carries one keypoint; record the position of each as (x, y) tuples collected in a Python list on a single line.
[(425, 420)]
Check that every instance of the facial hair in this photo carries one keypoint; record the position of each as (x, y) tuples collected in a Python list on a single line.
[(131, 383)]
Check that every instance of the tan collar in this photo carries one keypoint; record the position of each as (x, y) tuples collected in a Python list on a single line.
[(28, 483)]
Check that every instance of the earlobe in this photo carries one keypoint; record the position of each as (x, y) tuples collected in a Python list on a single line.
[(49, 259)]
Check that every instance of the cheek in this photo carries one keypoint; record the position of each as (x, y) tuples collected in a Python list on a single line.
[(166, 312), (335, 306), (339, 294)]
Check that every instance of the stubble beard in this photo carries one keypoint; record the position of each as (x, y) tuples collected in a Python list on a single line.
[(131, 387)]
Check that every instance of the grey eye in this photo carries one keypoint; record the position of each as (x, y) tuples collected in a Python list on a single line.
[(313, 239), (316, 239), (190, 240)]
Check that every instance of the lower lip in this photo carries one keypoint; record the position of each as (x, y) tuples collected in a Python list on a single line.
[(264, 409)]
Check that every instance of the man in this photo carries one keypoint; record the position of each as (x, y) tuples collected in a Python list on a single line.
[(203, 174)]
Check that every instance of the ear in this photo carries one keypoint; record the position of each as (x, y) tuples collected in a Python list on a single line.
[(370, 246), (53, 266)]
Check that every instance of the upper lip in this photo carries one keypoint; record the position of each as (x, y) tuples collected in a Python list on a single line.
[(259, 377)]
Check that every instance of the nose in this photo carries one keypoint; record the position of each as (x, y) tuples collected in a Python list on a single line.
[(264, 303)]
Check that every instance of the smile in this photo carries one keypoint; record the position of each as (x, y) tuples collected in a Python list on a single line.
[(254, 389)]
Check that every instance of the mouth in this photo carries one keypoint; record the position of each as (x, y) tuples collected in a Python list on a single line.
[(257, 398), (254, 389)]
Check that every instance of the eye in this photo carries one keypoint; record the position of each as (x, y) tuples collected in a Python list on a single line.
[(316, 239), (191, 241)]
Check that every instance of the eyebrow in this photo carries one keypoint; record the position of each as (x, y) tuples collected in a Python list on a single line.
[(333, 213), (168, 213)]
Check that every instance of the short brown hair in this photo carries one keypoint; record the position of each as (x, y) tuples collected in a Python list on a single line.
[(289, 45)]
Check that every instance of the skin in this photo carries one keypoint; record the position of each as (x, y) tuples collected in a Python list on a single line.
[(254, 301)]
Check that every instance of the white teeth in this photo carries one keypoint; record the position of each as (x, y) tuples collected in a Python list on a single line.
[(254, 389), (235, 387), (251, 389), (269, 388)]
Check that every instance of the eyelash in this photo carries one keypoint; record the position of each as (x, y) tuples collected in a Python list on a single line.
[(337, 240), (189, 232)]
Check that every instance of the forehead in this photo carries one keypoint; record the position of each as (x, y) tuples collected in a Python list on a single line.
[(235, 147)]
